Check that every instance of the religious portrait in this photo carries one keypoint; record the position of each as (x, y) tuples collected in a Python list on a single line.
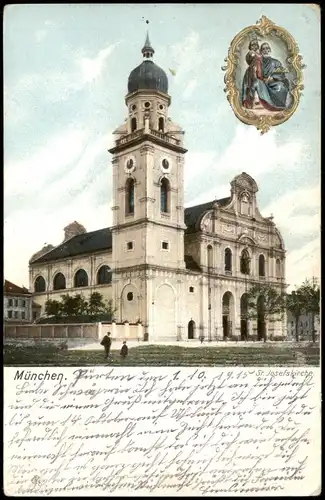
[(264, 75)]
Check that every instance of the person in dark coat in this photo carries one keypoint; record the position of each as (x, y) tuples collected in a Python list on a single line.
[(124, 350), (106, 342)]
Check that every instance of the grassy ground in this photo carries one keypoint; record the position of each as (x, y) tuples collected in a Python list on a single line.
[(155, 355)]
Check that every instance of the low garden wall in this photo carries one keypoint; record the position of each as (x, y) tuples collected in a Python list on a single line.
[(69, 331), (81, 333)]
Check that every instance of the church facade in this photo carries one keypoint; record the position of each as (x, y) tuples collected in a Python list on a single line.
[(183, 272)]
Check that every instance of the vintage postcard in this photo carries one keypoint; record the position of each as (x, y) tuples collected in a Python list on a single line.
[(162, 250)]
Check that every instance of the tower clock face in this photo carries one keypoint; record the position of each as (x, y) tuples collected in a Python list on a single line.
[(129, 166), (165, 165)]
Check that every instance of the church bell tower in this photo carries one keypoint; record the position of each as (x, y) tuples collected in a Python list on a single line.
[(148, 174), (148, 203)]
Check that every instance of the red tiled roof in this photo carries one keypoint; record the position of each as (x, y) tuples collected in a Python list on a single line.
[(11, 288)]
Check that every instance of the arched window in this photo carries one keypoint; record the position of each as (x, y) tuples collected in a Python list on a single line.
[(161, 125), (245, 262), (133, 124), (261, 265), (210, 256), (245, 204), (129, 197), (59, 282), (104, 275), (278, 268), (80, 278), (164, 195), (39, 285), (228, 260)]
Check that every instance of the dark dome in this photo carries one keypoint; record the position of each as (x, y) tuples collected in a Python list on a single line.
[(148, 76)]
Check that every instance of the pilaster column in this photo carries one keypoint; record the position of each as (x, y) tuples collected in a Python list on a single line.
[(179, 327), (115, 164), (69, 277), (236, 325), (149, 320)]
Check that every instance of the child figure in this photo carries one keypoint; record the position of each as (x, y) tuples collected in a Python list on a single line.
[(124, 350), (254, 61)]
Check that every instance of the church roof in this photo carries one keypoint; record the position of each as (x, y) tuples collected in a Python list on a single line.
[(148, 76), (101, 240), (80, 244), (194, 214), (10, 288), (191, 264)]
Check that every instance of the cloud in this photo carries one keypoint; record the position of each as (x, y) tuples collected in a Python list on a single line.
[(40, 35), (196, 162), (83, 176), (91, 69), (65, 174), (297, 213), (255, 154), (288, 211), (187, 57), (47, 228), (189, 89), (34, 171), (302, 263), (210, 195), (27, 95), (249, 152)]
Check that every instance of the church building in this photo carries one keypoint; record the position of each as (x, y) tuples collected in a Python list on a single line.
[(182, 272)]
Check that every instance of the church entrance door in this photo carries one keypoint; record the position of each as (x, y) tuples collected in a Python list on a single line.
[(191, 330), (228, 314), (244, 317), (261, 324)]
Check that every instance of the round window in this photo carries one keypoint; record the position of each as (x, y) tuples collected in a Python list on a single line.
[(129, 296), (129, 164), (161, 106), (165, 164), (134, 107), (147, 104)]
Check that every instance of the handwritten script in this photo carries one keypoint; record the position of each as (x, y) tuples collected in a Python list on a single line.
[(159, 431)]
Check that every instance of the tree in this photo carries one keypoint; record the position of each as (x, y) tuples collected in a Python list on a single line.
[(265, 302), (81, 304), (295, 304), (78, 309), (73, 305), (310, 293), (53, 308), (96, 304), (109, 308)]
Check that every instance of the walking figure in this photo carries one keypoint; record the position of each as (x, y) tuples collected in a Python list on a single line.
[(106, 342), (124, 350)]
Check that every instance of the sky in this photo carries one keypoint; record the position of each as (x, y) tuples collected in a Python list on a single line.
[(65, 78)]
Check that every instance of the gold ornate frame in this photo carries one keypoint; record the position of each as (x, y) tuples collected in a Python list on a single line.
[(294, 61)]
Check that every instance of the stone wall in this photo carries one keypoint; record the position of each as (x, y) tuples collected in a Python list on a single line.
[(122, 331), (73, 331), (89, 332)]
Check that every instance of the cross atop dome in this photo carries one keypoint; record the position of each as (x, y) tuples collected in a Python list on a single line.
[(147, 49)]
